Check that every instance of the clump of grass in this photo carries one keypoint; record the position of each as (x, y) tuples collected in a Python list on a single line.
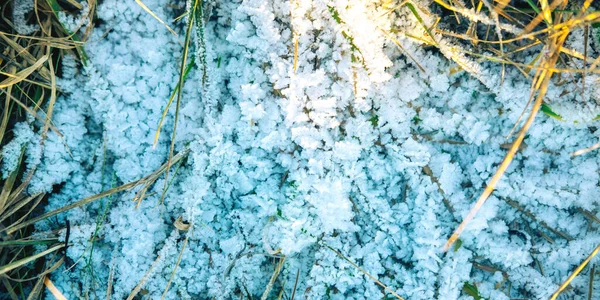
[(551, 44), (542, 26), (195, 21), (29, 65)]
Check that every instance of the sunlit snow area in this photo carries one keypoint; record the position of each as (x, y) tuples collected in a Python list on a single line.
[(316, 141)]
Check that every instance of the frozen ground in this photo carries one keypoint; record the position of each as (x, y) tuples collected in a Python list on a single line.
[(358, 150)]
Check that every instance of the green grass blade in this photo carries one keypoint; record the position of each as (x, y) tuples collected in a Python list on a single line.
[(548, 111)]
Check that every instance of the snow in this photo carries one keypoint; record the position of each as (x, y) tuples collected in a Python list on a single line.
[(289, 162)]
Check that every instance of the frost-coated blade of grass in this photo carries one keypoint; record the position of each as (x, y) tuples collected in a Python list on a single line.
[(399, 45), (187, 236), (139, 286), (197, 4), (387, 289), (575, 273), (157, 262), (200, 40), (531, 216), (420, 20)]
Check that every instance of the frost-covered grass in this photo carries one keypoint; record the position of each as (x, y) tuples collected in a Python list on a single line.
[(32, 46), (322, 149)]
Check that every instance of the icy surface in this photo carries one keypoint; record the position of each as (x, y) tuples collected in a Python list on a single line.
[(361, 152)]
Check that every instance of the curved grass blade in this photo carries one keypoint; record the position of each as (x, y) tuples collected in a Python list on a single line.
[(575, 273)]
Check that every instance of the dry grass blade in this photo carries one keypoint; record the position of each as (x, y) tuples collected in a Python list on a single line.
[(427, 170), (184, 70), (575, 273), (6, 268), (52, 268), (25, 215), (121, 188), (499, 173), (295, 53), (276, 272), (74, 40), (53, 290), (18, 205), (149, 180), (21, 75), (158, 262), (50, 108), (589, 215), (166, 110), (585, 150), (111, 275), (139, 286), (540, 85), (591, 282), (295, 284), (149, 11), (387, 289)]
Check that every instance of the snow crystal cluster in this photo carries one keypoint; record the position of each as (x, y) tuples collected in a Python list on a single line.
[(350, 146)]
